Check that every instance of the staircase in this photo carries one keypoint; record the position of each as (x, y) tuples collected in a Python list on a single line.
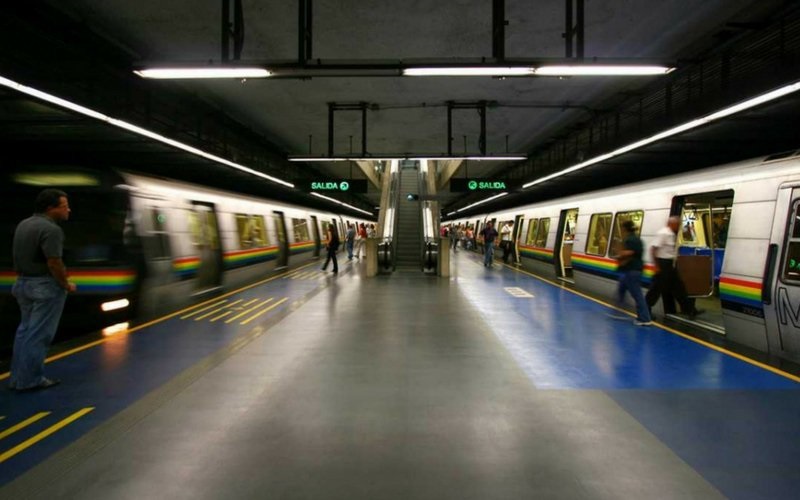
[(409, 222)]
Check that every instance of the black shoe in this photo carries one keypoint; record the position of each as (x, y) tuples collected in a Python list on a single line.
[(44, 384), (696, 313)]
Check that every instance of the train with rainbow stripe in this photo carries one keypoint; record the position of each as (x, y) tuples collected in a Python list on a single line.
[(739, 244), (137, 246)]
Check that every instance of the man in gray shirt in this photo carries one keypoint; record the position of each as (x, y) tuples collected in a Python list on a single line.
[(41, 288)]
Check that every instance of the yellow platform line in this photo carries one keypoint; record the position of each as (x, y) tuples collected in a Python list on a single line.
[(136, 328), (204, 309), (50, 430), (215, 311), (273, 306), (722, 350), (231, 320), (221, 316), (249, 302), (25, 423)]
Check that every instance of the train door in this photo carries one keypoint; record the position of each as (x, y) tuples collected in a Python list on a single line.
[(205, 232), (781, 297), (565, 236), (283, 241), (702, 237), (516, 235), (315, 234)]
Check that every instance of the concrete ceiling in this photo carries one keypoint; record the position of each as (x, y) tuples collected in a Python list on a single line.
[(408, 115)]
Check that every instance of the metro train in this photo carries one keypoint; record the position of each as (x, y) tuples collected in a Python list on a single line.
[(137, 246), (739, 244)]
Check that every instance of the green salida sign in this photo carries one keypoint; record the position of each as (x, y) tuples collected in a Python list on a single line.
[(466, 185), (337, 186), (330, 186)]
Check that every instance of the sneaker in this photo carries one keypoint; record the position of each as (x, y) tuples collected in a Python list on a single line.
[(46, 383), (616, 315), (642, 323)]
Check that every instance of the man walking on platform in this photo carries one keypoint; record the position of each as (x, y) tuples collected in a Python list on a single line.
[(667, 282), (489, 234), (630, 269)]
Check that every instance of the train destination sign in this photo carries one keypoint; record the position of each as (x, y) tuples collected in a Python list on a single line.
[(338, 186), (468, 185)]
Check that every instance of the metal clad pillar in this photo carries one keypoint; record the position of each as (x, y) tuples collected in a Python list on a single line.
[(449, 128), (226, 24), (364, 129), (331, 109), (482, 140), (499, 29), (304, 31)]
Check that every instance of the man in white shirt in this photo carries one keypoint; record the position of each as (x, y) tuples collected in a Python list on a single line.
[(667, 282), (505, 241)]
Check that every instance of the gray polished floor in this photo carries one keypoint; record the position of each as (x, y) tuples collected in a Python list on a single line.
[(384, 388)]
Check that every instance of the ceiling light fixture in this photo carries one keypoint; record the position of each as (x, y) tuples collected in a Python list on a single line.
[(601, 70), (470, 71), (407, 157), (730, 110), (203, 72), (44, 96), (341, 203), (481, 202)]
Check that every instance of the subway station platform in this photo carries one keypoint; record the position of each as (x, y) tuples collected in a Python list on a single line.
[(488, 384)]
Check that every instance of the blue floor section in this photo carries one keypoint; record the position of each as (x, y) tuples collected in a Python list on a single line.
[(733, 422), (113, 375)]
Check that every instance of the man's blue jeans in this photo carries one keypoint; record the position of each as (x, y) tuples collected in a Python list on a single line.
[(630, 281), (41, 301), (488, 253)]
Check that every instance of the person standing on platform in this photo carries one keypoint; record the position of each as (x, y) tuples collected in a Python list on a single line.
[(489, 234), (349, 240), (332, 247), (630, 269), (505, 241), (41, 288), (453, 234), (361, 240), (667, 282), (372, 232)]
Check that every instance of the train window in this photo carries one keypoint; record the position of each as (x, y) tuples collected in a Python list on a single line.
[(300, 230), (251, 231), (531, 237), (157, 237), (791, 264), (599, 231), (542, 232), (635, 216), (195, 229)]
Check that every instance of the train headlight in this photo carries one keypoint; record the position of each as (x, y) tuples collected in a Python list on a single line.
[(113, 329), (114, 305)]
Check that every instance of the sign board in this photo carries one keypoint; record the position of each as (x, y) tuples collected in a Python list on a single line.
[(337, 186), (483, 185)]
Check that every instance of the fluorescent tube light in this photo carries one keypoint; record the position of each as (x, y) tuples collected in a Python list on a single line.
[(340, 203), (482, 201), (470, 71), (201, 72), (730, 110), (408, 157), (133, 128), (601, 70)]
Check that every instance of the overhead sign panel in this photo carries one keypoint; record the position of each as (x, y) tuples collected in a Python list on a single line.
[(337, 186), (483, 185)]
